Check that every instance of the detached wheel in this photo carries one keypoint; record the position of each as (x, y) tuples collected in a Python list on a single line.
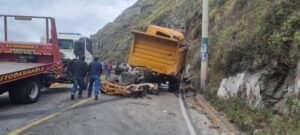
[(30, 91)]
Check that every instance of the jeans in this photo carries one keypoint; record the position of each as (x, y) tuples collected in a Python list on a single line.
[(78, 81), (94, 79), (107, 75)]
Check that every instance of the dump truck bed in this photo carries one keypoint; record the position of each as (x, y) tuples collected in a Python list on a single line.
[(11, 67), (162, 55)]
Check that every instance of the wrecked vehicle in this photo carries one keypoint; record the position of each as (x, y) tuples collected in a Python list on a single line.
[(157, 56), (162, 51)]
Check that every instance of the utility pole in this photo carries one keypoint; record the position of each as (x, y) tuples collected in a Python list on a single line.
[(204, 45)]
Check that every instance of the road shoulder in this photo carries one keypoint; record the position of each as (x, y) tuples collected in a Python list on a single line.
[(203, 115)]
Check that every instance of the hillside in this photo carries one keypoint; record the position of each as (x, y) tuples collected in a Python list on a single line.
[(253, 54), (115, 37)]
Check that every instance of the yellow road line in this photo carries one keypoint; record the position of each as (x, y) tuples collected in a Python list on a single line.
[(30, 125), (45, 118), (80, 103), (55, 85)]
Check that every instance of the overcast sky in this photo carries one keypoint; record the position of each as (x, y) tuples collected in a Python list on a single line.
[(81, 16)]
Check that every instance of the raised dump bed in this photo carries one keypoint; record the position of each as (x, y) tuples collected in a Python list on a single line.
[(161, 50)]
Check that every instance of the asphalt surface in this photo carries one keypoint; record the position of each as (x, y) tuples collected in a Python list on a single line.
[(111, 115)]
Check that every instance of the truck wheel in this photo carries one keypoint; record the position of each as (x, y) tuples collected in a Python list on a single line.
[(30, 91), (13, 96), (173, 84)]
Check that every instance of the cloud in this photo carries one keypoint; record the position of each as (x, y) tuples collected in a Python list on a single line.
[(82, 16)]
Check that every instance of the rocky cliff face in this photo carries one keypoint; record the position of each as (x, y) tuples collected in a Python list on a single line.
[(268, 88), (254, 45)]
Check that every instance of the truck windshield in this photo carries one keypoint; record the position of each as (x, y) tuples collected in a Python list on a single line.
[(65, 44)]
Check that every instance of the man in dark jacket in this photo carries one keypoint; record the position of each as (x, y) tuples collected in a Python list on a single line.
[(79, 70), (95, 71)]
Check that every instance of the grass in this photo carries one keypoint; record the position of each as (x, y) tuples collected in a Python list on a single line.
[(160, 8), (258, 121)]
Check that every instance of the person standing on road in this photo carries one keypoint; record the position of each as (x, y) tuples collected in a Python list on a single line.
[(108, 68), (79, 70), (95, 71)]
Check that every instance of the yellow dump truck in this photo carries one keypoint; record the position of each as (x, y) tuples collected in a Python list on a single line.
[(161, 50)]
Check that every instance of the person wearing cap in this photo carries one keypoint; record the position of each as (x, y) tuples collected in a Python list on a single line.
[(79, 70), (95, 71)]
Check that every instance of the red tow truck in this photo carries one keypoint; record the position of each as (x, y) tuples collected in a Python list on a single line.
[(27, 67)]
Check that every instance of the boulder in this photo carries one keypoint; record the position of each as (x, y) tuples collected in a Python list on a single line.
[(263, 88), (231, 86)]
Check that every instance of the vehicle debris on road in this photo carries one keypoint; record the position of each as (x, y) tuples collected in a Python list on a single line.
[(134, 90)]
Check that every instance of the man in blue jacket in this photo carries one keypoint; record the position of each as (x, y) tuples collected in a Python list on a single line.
[(95, 71)]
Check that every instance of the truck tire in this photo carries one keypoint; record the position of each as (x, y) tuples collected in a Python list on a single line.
[(29, 91), (13, 96), (173, 84)]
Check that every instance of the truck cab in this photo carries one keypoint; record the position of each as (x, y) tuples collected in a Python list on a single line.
[(73, 45)]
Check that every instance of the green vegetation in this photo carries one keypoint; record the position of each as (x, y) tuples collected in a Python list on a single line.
[(247, 36), (255, 36), (258, 121), (162, 7), (294, 106)]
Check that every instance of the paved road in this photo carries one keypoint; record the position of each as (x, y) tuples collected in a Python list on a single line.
[(111, 115)]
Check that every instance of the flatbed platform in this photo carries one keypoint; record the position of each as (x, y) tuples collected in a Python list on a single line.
[(11, 67)]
